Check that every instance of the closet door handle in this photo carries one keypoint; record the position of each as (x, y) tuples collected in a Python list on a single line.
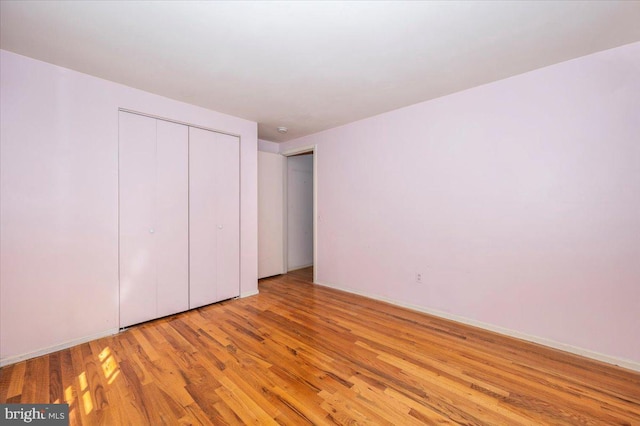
[(220, 226), (151, 230)]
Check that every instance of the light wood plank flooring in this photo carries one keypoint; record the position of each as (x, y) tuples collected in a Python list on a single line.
[(304, 354)]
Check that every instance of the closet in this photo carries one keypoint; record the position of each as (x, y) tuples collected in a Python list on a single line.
[(178, 217)]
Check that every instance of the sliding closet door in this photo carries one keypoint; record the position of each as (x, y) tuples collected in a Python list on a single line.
[(137, 138), (172, 211), (213, 217)]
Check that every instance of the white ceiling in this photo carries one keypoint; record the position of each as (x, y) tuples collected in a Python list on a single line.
[(311, 66)]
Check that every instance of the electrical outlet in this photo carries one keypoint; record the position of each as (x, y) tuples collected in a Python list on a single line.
[(418, 277)]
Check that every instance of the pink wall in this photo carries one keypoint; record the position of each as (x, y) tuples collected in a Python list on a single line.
[(59, 201), (517, 201), (266, 146)]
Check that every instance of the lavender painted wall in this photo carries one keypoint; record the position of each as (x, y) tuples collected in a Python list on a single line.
[(266, 146), (59, 201), (517, 201)]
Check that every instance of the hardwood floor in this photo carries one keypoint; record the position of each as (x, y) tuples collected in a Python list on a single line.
[(299, 353)]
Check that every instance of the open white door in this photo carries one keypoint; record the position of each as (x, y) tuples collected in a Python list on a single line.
[(270, 214)]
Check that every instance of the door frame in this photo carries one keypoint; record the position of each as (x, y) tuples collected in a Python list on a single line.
[(313, 149)]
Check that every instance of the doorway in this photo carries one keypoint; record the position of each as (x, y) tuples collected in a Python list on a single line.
[(300, 210)]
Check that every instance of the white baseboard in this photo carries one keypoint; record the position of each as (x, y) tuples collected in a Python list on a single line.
[(295, 268), (55, 348), (66, 345), (631, 365), (249, 293)]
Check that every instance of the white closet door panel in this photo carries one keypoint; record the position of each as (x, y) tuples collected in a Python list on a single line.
[(203, 217), (227, 178), (270, 214), (172, 227), (137, 139)]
